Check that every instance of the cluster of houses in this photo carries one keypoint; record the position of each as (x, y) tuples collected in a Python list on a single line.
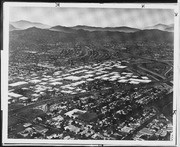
[(159, 128), (68, 82)]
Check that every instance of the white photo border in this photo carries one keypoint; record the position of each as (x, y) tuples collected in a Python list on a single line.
[(4, 75)]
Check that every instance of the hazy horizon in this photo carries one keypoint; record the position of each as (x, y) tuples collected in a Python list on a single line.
[(88, 25), (95, 17)]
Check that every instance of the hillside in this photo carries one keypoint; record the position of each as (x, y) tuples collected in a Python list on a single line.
[(162, 27), (62, 48), (11, 28), (23, 24), (62, 29), (170, 29), (39, 36), (113, 29)]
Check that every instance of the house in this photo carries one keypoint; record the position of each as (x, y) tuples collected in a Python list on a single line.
[(56, 83), (146, 131), (72, 113), (72, 128), (18, 84), (67, 138), (73, 78), (133, 82), (67, 91), (140, 80), (169, 127), (126, 129), (40, 129), (58, 118), (123, 81), (23, 99), (14, 97), (27, 125), (35, 81)]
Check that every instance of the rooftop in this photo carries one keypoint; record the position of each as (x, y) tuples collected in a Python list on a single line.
[(15, 95), (18, 83)]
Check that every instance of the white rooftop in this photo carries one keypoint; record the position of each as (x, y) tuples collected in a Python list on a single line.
[(57, 72), (35, 81), (58, 79), (74, 78), (56, 83), (88, 75), (123, 81), (23, 98), (35, 95), (121, 66), (43, 83), (144, 77), (15, 95), (140, 80), (18, 83), (90, 79), (44, 79), (134, 82), (105, 78), (70, 113), (77, 83), (66, 91)]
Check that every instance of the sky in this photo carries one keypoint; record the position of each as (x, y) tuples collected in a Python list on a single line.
[(99, 17)]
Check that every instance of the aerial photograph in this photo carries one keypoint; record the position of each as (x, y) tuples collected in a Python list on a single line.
[(90, 73)]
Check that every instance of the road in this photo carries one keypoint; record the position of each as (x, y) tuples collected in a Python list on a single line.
[(158, 112), (165, 74), (129, 136), (151, 72), (161, 61), (38, 103)]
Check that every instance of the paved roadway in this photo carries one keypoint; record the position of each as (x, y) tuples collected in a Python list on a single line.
[(38, 103), (165, 74), (162, 61), (151, 72), (129, 136)]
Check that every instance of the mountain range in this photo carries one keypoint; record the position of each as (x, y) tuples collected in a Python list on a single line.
[(12, 28), (23, 24), (36, 36), (112, 29), (162, 27)]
